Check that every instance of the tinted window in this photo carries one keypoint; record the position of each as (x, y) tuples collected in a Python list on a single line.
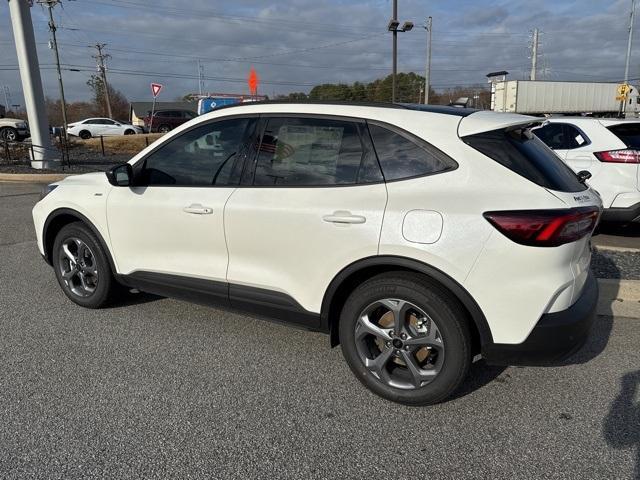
[(188, 114), (202, 156), (403, 156), (561, 136), (629, 133), (525, 154), (552, 135), (314, 151)]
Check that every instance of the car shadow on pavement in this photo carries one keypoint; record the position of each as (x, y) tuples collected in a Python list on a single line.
[(480, 374), (128, 298), (622, 424)]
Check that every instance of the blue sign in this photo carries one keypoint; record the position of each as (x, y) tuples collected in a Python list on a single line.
[(208, 104)]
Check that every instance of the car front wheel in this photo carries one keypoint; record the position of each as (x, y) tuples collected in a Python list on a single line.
[(406, 338), (9, 134), (81, 266)]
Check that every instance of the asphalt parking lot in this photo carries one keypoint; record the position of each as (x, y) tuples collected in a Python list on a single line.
[(159, 388)]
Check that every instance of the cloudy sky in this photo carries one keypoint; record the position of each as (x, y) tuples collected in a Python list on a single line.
[(295, 44)]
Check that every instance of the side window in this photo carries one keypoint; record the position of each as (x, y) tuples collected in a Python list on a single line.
[(314, 152), (403, 156), (573, 137), (552, 134), (187, 114), (202, 156)]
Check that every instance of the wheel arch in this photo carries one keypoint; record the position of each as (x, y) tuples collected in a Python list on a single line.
[(64, 216), (354, 274)]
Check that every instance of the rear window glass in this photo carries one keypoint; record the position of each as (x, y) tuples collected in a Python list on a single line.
[(525, 154), (629, 133)]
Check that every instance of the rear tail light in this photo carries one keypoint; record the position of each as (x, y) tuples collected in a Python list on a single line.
[(619, 156), (545, 228)]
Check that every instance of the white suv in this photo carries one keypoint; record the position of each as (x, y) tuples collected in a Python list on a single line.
[(609, 149), (416, 237)]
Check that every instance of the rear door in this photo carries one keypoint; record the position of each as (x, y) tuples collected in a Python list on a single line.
[(312, 204)]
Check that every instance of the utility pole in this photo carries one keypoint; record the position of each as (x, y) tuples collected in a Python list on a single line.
[(427, 76), (7, 97), (31, 82), (534, 55), (50, 4), (394, 18), (101, 57), (200, 78), (623, 104)]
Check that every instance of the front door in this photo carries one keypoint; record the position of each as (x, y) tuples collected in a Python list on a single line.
[(171, 222)]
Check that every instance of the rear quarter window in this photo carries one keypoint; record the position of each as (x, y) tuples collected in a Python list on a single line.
[(525, 154), (402, 155)]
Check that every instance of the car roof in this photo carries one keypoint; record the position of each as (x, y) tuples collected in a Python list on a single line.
[(607, 122)]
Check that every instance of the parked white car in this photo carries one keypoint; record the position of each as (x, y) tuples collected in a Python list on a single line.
[(609, 149), (416, 237), (96, 127), (13, 129)]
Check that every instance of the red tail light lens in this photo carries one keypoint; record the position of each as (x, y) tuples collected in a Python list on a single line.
[(545, 228), (619, 156)]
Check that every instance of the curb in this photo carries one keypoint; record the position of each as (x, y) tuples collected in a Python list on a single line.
[(620, 298), (32, 177), (616, 249)]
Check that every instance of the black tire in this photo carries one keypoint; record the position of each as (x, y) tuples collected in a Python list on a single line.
[(164, 128), (105, 286), (129, 132), (443, 309), (85, 134), (9, 134)]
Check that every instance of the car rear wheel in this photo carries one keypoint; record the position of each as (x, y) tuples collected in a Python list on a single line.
[(164, 128), (85, 134), (81, 266), (406, 338), (9, 134)]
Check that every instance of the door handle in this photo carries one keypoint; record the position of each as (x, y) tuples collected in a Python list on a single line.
[(198, 209), (344, 217)]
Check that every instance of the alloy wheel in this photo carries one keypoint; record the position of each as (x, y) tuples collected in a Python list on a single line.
[(399, 344), (78, 267)]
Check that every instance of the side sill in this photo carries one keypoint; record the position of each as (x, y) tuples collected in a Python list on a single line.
[(256, 302)]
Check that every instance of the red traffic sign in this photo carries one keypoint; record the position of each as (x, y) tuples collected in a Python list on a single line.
[(155, 89)]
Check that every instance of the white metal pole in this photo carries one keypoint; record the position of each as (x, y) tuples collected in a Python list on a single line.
[(31, 82)]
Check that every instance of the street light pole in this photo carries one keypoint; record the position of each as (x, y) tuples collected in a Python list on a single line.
[(427, 76), (394, 19)]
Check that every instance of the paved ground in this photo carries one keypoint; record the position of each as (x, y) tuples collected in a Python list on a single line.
[(161, 388), (618, 236)]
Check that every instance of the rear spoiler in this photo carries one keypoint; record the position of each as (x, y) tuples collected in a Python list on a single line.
[(487, 121)]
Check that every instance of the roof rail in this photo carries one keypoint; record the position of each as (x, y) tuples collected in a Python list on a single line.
[(443, 109)]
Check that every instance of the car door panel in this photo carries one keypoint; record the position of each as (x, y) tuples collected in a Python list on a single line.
[(295, 239), (178, 207)]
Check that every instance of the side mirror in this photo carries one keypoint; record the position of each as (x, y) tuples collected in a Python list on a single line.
[(583, 175), (121, 175)]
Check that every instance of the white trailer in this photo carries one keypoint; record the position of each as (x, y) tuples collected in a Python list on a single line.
[(546, 98)]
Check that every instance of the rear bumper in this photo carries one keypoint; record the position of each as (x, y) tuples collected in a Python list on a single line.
[(556, 335), (626, 215)]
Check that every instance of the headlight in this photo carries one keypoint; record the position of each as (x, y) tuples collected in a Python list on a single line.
[(47, 190)]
